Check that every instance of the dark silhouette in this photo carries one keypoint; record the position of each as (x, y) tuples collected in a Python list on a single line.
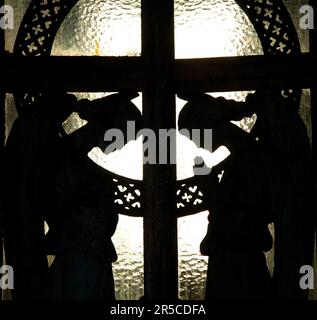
[(284, 135), (262, 182), (238, 232), (75, 196), (88, 219), (33, 140)]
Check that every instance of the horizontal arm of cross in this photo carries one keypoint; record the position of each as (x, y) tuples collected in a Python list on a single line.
[(102, 74)]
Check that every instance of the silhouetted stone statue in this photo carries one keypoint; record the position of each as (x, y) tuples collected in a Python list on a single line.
[(284, 134), (266, 178), (84, 251), (33, 139), (75, 196), (238, 232)]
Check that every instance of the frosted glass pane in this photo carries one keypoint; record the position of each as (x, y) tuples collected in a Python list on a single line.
[(128, 269), (19, 8), (213, 28), (80, 20), (10, 113), (293, 7), (305, 111), (102, 28), (192, 266)]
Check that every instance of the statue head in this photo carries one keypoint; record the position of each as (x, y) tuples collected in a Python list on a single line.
[(203, 111), (111, 112)]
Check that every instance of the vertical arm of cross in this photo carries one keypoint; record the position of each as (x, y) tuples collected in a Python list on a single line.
[(160, 225)]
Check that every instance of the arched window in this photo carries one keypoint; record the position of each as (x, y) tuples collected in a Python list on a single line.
[(158, 48)]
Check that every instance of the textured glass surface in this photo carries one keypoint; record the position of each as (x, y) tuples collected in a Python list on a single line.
[(192, 266), (305, 111), (78, 26), (102, 28), (128, 269), (213, 28), (293, 7), (19, 8), (10, 113)]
